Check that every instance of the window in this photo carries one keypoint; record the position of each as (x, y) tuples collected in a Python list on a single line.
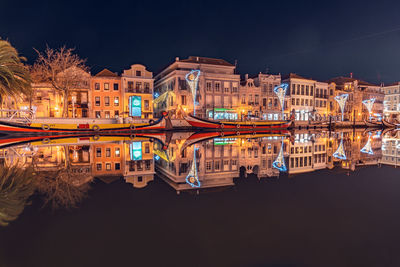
[(116, 87), (306, 102), (293, 89), (108, 152), (297, 102), (307, 89), (147, 86), (264, 102), (216, 165), (97, 114), (117, 166), (117, 152), (234, 88), (130, 85), (217, 87), (97, 86), (107, 114), (108, 166), (116, 101), (138, 85), (116, 113), (98, 152), (138, 73), (98, 166), (293, 101), (106, 86), (146, 105), (147, 148), (106, 101), (97, 101), (183, 99), (275, 102), (311, 90), (243, 99), (208, 165), (208, 86), (302, 89), (147, 164), (298, 89), (226, 87)]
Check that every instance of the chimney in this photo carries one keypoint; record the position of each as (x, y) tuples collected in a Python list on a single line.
[(246, 77), (351, 75), (177, 59), (197, 58)]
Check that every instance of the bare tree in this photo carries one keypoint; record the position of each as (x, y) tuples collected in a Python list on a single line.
[(63, 69)]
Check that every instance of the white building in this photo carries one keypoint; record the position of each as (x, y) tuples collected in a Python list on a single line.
[(391, 102)]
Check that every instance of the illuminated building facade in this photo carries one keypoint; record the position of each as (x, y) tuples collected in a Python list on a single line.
[(392, 100), (303, 99), (217, 93), (270, 108), (357, 91), (137, 92), (391, 149), (106, 95)]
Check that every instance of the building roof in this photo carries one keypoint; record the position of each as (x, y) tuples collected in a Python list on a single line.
[(206, 60), (106, 73), (342, 80), (295, 76)]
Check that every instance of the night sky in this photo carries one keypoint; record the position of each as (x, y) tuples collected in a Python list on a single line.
[(312, 38)]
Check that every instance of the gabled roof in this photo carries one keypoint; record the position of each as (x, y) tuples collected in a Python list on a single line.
[(206, 60), (106, 73), (342, 80)]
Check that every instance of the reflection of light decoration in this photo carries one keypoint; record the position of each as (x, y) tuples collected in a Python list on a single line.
[(280, 92), (369, 103), (193, 178), (340, 154), (279, 162), (156, 157), (192, 78), (368, 148), (341, 99)]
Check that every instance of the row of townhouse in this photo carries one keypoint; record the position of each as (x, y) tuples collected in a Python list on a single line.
[(222, 94), (104, 95)]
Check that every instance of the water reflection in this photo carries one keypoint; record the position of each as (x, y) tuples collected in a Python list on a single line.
[(61, 170)]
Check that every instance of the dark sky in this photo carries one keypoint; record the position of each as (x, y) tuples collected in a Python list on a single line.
[(312, 38)]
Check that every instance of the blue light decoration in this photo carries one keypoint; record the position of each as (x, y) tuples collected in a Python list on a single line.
[(341, 99), (369, 103), (156, 95), (279, 162), (135, 106), (367, 149), (193, 178), (192, 78), (156, 157), (340, 153), (280, 91)]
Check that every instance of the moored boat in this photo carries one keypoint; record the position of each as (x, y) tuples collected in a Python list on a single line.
[(388, 124), (199, 123), (369, 123), (53, 127)]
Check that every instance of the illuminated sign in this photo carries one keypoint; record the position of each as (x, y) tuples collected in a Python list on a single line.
[(135, 150), (224, 141), (135, 106)]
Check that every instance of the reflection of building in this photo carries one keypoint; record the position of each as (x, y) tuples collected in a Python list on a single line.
[(392, 100), (218, 88), (391, 148), (106, 97), (138, 160), (217, 163), (137, 91), (107, 159)]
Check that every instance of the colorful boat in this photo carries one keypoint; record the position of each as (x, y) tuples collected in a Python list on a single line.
[(199, 123), (79, 128)]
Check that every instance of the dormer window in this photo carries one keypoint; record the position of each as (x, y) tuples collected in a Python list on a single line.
[(138, 73)]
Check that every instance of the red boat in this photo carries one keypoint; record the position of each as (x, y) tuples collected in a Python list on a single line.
[(238, 125)]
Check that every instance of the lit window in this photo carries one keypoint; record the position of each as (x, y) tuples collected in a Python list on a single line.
[(106, 86)]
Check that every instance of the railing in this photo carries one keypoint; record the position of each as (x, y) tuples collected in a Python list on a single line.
[(25, 115)]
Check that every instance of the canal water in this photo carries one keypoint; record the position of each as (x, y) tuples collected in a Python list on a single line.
[(303, 198)]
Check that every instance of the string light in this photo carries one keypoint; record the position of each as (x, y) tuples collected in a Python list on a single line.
[(339, 153), (279, 162), (369, 103), (341, 99), (192, 178), (280, 91), (368, 147), (192, 78)]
